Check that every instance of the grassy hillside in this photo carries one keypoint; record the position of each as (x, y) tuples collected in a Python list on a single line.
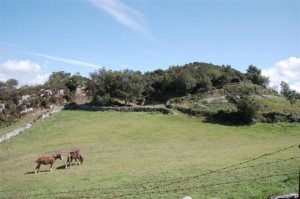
[(142, 155), (212, 102)]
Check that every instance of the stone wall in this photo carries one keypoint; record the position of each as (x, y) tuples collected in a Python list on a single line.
[(15, 132), (28, 125), (188, 111), (121, 108)]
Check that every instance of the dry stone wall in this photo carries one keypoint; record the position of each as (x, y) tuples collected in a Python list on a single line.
[(28, 125), (15, 132), (121, 109)]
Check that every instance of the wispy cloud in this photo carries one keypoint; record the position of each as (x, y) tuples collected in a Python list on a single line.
[(124, 14), (7, 44), (65, 60)]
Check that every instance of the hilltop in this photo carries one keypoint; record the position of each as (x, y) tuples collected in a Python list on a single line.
[(219, 93)]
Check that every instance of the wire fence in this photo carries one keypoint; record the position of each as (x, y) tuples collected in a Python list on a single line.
[(165, 186)]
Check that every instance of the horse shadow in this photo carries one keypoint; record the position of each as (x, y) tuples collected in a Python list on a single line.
[(32, 172), (64, 166), (61, 167), (44, 171)]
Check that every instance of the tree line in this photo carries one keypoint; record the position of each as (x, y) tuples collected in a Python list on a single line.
[(107, 87), (160, 85)]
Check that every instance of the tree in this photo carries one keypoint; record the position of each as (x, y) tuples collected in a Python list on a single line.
[(254, 74), (242, 96), (8, 85), (12, 83), (96, 87), (285, 89), (158, 85), (75, 82), (125, 85), (291, 95), (130, 85), (58, 78)]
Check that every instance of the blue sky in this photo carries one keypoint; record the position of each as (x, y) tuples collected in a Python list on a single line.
[(40, 37)]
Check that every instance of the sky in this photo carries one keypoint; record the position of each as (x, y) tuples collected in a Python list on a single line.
[(39, 37)]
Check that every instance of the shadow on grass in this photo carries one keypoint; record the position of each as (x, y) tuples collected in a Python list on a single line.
[(230, 118), (61, 167), (44, 171), (32, 172), (64, 166)]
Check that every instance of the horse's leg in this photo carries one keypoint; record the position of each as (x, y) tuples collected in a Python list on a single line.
[(71, 160), (66, 166), (77, 161), (37, 169), (68, 161), (80, 159), (51, 167)]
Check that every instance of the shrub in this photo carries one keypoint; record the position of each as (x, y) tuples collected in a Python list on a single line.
[(274, 117), (45, 103), (104, 100), (70, 97), (242, 96)]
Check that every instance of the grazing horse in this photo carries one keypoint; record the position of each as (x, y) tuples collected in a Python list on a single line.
[(46, 160), (74, 155)]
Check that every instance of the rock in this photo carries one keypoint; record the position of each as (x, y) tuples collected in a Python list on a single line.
[(289, 196)]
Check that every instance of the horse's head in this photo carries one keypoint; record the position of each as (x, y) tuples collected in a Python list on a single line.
[(81, 159), (58, 156)]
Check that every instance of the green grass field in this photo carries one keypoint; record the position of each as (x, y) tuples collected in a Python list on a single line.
[(143, 155)]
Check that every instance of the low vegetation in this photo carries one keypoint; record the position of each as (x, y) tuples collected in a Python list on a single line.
[(118, 88), (149, 155)]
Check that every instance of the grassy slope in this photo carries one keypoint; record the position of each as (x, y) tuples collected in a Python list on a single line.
[(141, 155), (212, 103), (278, 104)]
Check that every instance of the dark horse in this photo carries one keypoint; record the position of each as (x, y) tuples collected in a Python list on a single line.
[(74, 155), (46, 160)]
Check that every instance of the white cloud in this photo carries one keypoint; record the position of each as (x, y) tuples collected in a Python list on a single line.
[(25, 71), (13, 66), (286, 70)]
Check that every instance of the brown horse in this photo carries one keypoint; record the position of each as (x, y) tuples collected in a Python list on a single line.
[(74, 155), (46, 160)]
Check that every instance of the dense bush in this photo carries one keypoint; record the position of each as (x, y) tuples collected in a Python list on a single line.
[(226, 117), (274, 117), (104, 100)]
